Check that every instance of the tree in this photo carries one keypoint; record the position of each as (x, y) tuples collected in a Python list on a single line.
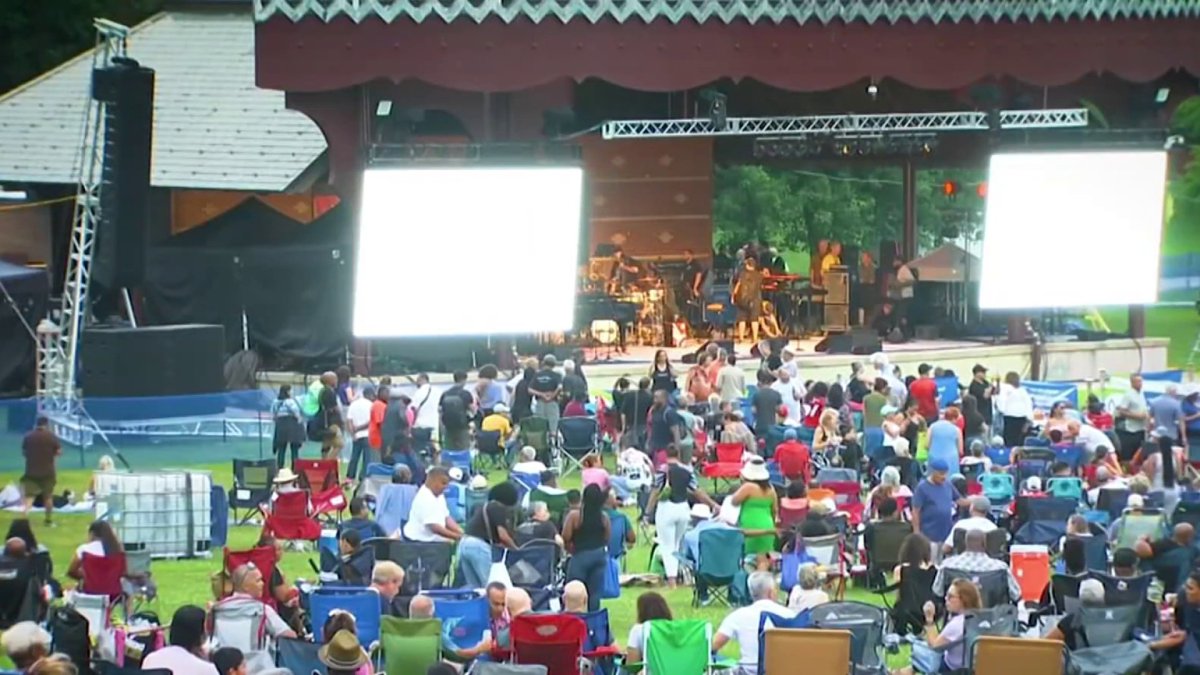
[(37, 35)]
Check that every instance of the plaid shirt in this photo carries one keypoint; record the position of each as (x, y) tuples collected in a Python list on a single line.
[(970, 561)]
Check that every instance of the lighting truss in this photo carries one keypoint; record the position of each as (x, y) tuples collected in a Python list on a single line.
[(891, 145), (847, 125)]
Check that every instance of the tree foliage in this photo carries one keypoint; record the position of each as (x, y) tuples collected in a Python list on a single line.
[(793, 209), (37, 35)]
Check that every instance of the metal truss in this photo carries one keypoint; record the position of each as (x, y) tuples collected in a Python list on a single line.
[(58, 343), (847, 125), (400, 154), (83, 432)]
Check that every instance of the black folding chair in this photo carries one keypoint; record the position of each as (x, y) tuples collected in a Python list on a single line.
[(993, 585), (491, 449), (997, 542), (252, 484)]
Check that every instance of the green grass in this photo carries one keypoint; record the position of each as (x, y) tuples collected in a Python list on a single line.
[(1179, 324), (182, 582)]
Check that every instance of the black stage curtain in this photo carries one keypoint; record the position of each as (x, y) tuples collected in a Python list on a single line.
[(29, 290), (293, 281)]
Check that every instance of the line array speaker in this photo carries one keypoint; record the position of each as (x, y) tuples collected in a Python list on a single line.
[(154, 361)]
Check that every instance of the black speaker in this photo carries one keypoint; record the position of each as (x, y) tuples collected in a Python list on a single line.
[(127, 91), (154, 361), (860, 341)]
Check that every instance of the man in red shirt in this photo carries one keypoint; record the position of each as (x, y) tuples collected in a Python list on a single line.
[(924, 391), (375, 424), (793, 457)]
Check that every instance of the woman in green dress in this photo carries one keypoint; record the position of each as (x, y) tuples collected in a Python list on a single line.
[(759, 511)]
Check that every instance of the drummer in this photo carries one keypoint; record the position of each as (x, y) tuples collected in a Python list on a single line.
[(625, 271)]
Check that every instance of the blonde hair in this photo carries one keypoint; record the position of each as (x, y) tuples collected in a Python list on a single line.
[(829, 415), (1139, 484), (105, 463)]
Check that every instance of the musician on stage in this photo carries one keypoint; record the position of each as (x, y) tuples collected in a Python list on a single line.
[(773, 262), (693, 276), (747, 295), (625, 270), (832, 258)]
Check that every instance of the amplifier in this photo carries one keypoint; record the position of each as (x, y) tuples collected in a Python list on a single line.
[(837, 317), (837, 286)]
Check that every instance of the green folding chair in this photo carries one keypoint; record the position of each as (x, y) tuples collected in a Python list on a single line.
[(534, 431), (409, 645), (1134, 526), (682, 647), (555, 503)]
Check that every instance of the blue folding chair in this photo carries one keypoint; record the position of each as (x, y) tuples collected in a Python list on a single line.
[(768, 620), (460, 459), (299, 656), (393, 506), (1071, 455), (362, 603), (1000, 456), (464, 616), (525, 482), (219, 531), (578, 437), (1036, 442), (599, 646), (456, 501), (873, 443), (721, 551)]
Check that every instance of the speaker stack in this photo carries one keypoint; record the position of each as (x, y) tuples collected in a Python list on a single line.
[(837, 300), (127, 90), (154, 361)]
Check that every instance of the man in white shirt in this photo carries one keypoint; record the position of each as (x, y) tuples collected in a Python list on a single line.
[(358, 422), (792, 394), (429, 519), (1132, 416), (741, 626), (790, 365), (529, 462), (978, 520), (1091, 437), (425, 407), (731, 381)]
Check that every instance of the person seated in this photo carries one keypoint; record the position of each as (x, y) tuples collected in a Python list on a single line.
[(338, 626), (549, 483), (15, 549), (22, 529), (651, 606), (1105, 480), (343, 654), (539, 526), (978, 519), (286, 596), (387, 578), (423, 607), (1158, 553), (577, 406), (962, 597), (575, 598), (429, 517), (349, 542), (1125, 563), (228, 661), (1096, 415), (248, 585), (402, 475), (104, 465), (360, 521), (808, 592), (185, 655), (889, 487), (975, 559), (529, 463), (736, 431), (1134, 504), (24, 643), (1074, 556), (286, 482), (619, 522), (574, 500), (1060, 470), (742, 624), (102, 542), (594, 472), (500, 421), (1068, 629), (795, 497), (975, 455), (794, 461), (819, 521)]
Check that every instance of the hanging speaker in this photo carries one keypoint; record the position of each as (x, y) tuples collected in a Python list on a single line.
[(127, 90)]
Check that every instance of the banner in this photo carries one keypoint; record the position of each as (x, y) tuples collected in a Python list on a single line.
[(1046, 394), (947, 390)]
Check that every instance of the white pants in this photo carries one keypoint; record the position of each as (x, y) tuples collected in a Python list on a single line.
[(671, 521)]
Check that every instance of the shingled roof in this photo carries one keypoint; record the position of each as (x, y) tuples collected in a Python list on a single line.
[(753, 11), (213, 127)]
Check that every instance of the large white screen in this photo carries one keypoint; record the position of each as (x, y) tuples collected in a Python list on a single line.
[(467, 251), (1072, 229)]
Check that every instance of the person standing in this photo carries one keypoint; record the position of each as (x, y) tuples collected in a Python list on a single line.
[(329, 411), (666, 428), (747, 295), (792, 393), (982, 390), (544, 389), (358, 419), (693, 281), (1133, 414), (934, 504), (41, 449), (766, 404), (375, 421), (1166, 412), (425, 412), (289, 426), (586, 532), (1016, 406), (662, 374), (731, 381), (924, 392)]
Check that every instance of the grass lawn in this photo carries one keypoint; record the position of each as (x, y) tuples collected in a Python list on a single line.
[(183, 582), (1179, 324)]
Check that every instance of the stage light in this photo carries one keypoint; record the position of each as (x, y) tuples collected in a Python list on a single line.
[(1161, 96), (950, 189), (383, 108), (873, 90), (717, 107), (981, 190)]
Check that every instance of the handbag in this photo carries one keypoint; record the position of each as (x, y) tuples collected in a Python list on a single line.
[(612, 580)]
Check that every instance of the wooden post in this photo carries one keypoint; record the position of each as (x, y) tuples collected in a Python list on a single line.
[(1137, 321), (908, 245)]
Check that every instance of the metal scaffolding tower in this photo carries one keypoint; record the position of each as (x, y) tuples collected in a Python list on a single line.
[(848, 125), (58, 342)]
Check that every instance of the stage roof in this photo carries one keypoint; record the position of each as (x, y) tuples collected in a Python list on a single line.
[(726, 11), (213, 127)]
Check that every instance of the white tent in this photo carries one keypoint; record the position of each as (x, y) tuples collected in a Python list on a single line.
[(947, 263)]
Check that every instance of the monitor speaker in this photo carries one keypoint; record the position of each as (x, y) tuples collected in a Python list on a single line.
[(837, 317), (837, 287), (127, 90), (154, 361), (860, 341)]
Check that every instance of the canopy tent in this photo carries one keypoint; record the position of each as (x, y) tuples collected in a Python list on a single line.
[(22, 305), (947, 263), (292, 281)]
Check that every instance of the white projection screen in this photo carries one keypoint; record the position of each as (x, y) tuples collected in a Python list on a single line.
[(1072, 229), (447, 251)]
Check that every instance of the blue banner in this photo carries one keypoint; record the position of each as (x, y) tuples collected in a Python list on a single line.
[(947, 389), (1046, 394), (1164, 376)]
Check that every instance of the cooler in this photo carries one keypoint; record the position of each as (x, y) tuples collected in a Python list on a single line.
[(1031, 567)]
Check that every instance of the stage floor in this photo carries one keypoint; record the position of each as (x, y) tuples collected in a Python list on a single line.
[(803, 348)]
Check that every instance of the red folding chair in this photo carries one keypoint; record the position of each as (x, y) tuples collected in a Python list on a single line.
[(331, 501), (789, 518), (317, 475), (102, 575), (290, 518), (728, 467), (848, 497), (551, 640), (263, 558)]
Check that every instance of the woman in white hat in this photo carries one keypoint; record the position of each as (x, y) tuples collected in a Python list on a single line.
[(759, 510)]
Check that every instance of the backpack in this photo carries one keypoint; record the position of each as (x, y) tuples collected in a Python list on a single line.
[(69, 635), (311, 402)]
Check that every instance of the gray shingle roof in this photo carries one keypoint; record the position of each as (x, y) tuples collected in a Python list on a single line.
[(213, 128), (754, 11)]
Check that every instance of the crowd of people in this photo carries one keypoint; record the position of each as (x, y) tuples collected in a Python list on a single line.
[(914, 451)]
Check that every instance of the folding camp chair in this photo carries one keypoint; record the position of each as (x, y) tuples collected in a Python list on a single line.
[(1035, 443), (998, 621), (393, 506), (490, 445), (1102, 626), (771, 622), (457, 459), (264, 558), (1119, 591), (473, 499), (1065, 487), (1134, 526), (679, 647), (456, 501), (848, 497), (533, 565), (239, 622), (821, 651), (555, 502), (1095, 550), (1112, 501), (552, 640), (994, 655), (328, 505), (997, 542), (534, 431), (463, 614), (408, 645), (578, 436), (299, 656), (999, 488), (993, 585), (1186, 512), (525, 482), (21, 596), (721, 551), (317, 475), (102, 575), (913, 589), (362, 603), (492, 668), (290, 518), (377, 475), (137, 584), (867, 625), (252, 483), (728, 468), (972, 472), (830, 554), (790, 518), (910, 472), (1071, 455), (882, 545), (426, 564), (999, 456), (599, 647)]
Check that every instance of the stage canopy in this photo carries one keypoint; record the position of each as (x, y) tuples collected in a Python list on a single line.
[(946, 264), (292, 281), (25, 291)]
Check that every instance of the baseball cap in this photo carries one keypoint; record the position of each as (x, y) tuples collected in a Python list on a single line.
[(940, 465), (978, 368)]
